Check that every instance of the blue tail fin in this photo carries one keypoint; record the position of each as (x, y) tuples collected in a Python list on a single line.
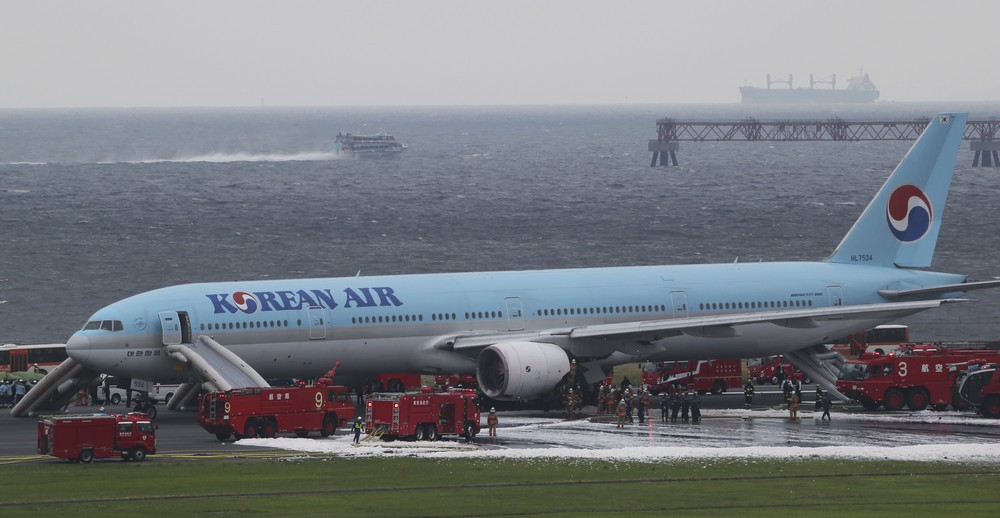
[(900, 226)]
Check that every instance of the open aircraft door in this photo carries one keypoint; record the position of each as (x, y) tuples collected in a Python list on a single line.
[(170, 322)]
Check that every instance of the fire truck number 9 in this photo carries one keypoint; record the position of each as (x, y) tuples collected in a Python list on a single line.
[(902, 369), (227, 407), (319, 399)]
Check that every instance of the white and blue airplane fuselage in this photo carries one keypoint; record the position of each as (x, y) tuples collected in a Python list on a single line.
[(518, 330)]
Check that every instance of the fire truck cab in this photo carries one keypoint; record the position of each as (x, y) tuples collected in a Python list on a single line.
[(84, 438), (423, 415), (266, 411), (979, 386)]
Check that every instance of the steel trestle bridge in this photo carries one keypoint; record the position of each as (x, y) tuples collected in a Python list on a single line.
[(983, 134)]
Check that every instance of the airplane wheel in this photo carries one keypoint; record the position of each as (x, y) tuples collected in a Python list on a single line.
[(150, 410)]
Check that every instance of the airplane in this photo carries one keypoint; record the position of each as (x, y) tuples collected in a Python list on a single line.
[(519, 331)]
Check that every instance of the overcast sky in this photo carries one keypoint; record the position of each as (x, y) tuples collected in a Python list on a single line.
[(58, 53)]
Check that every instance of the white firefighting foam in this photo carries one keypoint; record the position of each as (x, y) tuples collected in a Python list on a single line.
[(728, 434)]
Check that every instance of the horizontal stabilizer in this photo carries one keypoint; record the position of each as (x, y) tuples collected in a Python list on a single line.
[(936, 290)]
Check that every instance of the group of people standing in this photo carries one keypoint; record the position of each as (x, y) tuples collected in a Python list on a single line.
[(679, 400), (11, 392)]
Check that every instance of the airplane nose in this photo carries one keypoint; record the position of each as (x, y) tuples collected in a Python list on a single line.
[(78, 348)]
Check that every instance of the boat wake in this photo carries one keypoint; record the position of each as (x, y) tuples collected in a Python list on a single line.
[(244, 157)]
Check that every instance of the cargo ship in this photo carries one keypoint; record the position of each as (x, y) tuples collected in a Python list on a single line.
[(860, 89), (378, 145)]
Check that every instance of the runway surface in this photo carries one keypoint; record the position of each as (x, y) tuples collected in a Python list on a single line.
[(726, 430)]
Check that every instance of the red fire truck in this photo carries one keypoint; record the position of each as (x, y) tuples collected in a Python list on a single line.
[(979, 387), (704, 376), (913, 375), (766, 370), (84, 438), (264, 412), (423, 415)]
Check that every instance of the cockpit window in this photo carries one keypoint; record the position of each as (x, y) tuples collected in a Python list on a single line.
[(105, 325)]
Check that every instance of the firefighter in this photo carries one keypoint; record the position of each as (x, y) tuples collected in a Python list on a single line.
[(695, 407), (621, 412), (664, 407), (358, 425), (793, 408), (675, 403), (819, 398), (570, 401), (491, 421), (578, 400), (685, 405), (601, 392), (826, 407), (571, 375), (644, 395), (640, 406), (748, 394), (786, 390), (610, 400), (627, 395)]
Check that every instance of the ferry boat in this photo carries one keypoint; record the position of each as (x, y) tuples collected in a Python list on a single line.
[(378, 145)]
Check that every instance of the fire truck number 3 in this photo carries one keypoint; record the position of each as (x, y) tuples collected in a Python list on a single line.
[(902, 369)]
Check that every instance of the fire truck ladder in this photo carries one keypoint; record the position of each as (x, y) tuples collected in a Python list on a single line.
[(822, 365)]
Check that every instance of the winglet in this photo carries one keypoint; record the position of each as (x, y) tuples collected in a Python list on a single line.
[(900, 226)]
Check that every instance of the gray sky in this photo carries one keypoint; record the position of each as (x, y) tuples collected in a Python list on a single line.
[(58, 53)]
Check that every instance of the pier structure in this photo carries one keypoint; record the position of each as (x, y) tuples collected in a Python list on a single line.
[(983, 134)]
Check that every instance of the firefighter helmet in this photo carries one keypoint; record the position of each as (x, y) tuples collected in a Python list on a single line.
[(493, 409)]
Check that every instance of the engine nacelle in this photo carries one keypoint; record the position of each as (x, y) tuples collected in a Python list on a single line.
[(520, 370)]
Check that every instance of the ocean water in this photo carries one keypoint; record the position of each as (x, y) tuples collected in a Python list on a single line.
[(96, 205)]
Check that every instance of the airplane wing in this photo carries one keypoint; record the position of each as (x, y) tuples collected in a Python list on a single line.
[(707, 326)]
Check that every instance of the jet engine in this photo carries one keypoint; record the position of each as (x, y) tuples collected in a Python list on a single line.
[(520, 370)]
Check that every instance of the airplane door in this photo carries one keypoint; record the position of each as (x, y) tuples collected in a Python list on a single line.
[(515, 315), (317, 323), (171, 325), (836, 296), (679, 303)]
